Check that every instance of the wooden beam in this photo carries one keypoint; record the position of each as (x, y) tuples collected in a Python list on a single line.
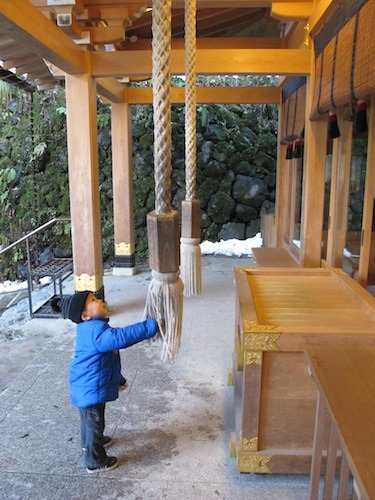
[(220, 22), (296, 37), (200, 3), (214, 95), (221, 61), (292, 10), (38, 67), (111, 90), (111, 34), (23, 22), (19, 61), (211, 43), (322, 11)]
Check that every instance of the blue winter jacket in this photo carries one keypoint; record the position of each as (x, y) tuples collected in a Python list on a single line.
[(95, 368)]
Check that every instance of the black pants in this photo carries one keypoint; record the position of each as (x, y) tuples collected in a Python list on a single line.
[(92, 429)]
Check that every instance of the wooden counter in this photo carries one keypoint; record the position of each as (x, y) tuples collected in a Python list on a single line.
[(273, 257), (278, 312), (345, 420)]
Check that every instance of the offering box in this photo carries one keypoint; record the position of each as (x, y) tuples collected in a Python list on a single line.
[(278, 312)]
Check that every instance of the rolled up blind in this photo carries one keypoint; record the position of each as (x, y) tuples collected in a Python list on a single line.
[(345, 64), (294, 106)]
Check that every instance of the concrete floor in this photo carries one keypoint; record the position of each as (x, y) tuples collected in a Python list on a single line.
[(171, 426)]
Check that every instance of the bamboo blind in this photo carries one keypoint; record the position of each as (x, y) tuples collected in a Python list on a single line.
[(294, 116), (345, 68)]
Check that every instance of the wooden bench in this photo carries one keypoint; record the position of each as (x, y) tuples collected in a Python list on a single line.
[(345, 419), (273, 257)]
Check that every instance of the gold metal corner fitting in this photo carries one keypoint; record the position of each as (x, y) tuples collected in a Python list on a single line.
[(259, 337), (254, 463), (244, 270), (254, 327), (124, 249), (85, 282), (253, 357), (306, 39), (233, 445), (261, 341), (250, 444)]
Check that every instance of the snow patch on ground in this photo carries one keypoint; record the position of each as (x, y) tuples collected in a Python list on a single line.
[(231, 248), (14, 286)]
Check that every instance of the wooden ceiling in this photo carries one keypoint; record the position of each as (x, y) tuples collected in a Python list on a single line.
[(211, 23), (118, 25)]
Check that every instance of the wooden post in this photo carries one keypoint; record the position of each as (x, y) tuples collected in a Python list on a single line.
[(333, 207), (163, 240), (292, 205), (123, 190), (343, 190), (84, 182), (190, 219), (315, 152), (368, 205), (338, 213), (280, 185)]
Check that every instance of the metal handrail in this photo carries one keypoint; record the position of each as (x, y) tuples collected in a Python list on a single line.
[(37, 230), (26, 239), (32, 233)]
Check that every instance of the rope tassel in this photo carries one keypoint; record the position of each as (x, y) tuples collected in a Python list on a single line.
[(191, 260), (165, 294), (164, 303), (191, 264)]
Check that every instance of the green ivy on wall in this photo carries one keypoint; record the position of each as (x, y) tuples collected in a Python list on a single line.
[(233, 141)]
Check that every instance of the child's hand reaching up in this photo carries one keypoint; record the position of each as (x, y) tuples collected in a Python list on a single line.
[(152, 328)]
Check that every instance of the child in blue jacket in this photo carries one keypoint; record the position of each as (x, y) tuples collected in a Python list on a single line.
[(95, 369)]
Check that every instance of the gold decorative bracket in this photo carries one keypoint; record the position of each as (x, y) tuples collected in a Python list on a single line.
[(85, 282), (306, 39), (261, 341), (124, 249), (254, 463), (254, 327), (253, 357), (250, 444)]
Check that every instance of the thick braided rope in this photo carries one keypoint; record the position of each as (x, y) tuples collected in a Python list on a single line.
[(161, 48), (190, 99)]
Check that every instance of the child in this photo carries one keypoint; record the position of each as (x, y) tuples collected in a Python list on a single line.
[(95, 369)]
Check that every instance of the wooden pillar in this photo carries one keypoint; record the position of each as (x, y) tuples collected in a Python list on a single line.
[(84, 183), (280, 184), (315, 153), (123, 190), (368, 204), (339, 199)]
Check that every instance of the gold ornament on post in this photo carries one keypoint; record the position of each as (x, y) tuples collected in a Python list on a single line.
[(124, 249), (306, 39)]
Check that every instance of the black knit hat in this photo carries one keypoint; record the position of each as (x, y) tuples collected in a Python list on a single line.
[(70, 307)]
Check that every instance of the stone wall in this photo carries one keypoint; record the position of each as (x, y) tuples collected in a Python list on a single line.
[(236, 168)]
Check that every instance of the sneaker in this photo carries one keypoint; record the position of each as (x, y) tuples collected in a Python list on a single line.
[(110, 464), (107, 441)]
